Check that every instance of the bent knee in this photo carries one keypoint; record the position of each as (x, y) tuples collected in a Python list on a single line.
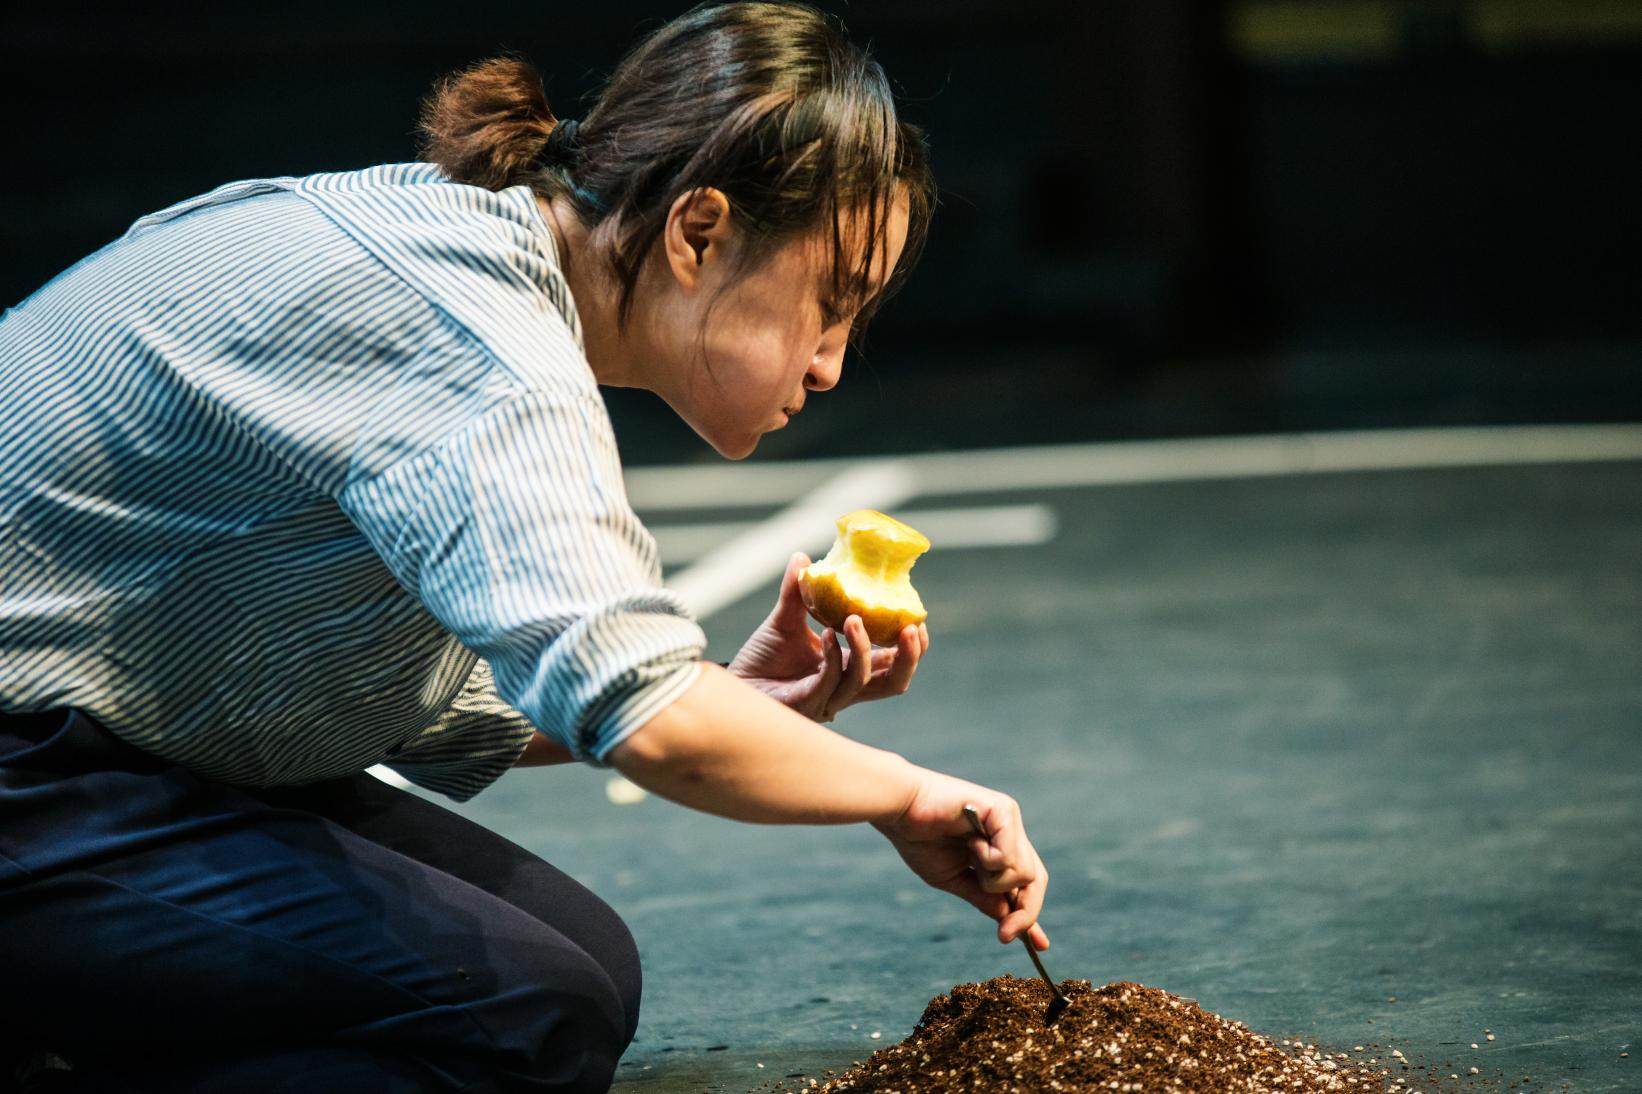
[(558, 1014), (584, 918), (620, 959)]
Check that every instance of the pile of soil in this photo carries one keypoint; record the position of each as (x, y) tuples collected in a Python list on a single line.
[(993, 1037)]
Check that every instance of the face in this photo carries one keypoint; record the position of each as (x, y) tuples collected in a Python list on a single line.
[(739, 363)]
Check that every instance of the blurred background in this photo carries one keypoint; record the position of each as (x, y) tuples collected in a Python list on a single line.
[(1159, 217)]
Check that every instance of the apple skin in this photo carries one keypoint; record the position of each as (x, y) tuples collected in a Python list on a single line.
[(827, 601)]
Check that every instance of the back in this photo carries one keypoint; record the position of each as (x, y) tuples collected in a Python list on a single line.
[(219, 438)]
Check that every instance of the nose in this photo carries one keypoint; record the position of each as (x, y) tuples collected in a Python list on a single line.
[(824, 371)]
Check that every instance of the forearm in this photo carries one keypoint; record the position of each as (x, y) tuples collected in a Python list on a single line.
[(724, 747)]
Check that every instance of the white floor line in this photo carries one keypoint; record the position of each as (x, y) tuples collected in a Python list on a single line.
[(656, 489), (1282, 454), (704, 485), (985, 526), (758, 555)]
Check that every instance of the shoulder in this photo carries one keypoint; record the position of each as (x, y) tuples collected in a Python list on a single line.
[(484, 258), (418, 207)]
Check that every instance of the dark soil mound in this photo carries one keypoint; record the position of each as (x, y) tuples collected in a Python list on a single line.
[(993, 1037)]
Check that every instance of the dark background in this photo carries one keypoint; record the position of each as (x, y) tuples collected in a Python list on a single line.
[(1159, 217)]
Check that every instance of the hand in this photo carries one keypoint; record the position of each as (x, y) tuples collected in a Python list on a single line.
[(1001, 875), (814, 676)]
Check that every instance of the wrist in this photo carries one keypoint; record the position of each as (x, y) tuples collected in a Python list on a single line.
[(911, 778)]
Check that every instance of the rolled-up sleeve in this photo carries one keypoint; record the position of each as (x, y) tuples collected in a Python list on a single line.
[(515, 532)]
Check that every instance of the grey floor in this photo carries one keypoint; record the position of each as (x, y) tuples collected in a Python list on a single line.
[(1292, 747)]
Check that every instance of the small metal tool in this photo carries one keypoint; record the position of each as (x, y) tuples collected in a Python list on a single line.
[(1060, 1002)]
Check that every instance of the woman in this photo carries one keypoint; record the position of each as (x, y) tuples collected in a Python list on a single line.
[(310, 474)]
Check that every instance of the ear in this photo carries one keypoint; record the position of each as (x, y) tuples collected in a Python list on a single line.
[(697, 233)]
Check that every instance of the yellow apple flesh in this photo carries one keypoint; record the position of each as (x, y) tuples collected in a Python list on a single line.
[(867, 573)]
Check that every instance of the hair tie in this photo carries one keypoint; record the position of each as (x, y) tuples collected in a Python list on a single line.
[(560, 149)]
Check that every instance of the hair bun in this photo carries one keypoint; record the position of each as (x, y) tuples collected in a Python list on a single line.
[(486, 124)]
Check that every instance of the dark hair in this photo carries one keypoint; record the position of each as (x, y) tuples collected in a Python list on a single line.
[(770, 103)]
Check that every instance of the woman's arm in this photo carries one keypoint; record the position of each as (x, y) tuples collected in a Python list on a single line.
[(724, 747)]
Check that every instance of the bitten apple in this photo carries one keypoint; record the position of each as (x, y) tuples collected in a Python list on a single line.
[(867, 573)]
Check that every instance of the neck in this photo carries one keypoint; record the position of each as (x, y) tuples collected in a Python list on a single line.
[(609, 351)]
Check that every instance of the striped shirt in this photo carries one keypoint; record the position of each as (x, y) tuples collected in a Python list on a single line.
[(308, 474)]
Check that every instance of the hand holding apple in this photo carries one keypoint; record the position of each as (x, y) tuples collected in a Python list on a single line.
[(813, 674)]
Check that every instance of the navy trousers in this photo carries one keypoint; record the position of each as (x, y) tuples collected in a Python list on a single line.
[(171, 935)]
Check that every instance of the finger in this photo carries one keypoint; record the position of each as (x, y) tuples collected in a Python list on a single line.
[(987, 857), (1012, 861), (1013, 925), (923, 632), (909, 652), (885, 658), (832, 670), (858, 672), (1039, 937), (893, 668), (789, 612), (1002, 881), (860, 653), (989, 868), (1010, 837), (992, 905), (1001, 822), (1018, 921), (996, 870), (996, 874), (1028, 905)]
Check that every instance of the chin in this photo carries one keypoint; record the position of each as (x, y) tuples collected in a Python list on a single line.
[(734, 448), (728, 441), (742, 451)]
